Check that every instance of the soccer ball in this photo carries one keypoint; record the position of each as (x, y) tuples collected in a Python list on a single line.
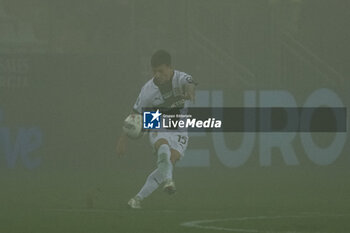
[(133, 125)]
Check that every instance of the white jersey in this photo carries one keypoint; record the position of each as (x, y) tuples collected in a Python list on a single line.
[(151, 96)]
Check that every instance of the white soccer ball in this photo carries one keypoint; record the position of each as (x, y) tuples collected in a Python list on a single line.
[(133, 126)]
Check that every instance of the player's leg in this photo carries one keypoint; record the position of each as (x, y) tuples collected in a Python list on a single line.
[(167, 158), (175, 156), (169, 186), (170, 148), (159, 175), (164, 163), (178, 143), (152, 183)]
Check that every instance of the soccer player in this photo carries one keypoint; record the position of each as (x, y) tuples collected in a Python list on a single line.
[(173, 90)]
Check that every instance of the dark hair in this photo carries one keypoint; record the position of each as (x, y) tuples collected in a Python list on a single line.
[(161, 57)]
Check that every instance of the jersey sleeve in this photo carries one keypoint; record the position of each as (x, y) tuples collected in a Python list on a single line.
[(187, 79)]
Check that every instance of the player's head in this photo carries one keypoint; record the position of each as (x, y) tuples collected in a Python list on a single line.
[(161, 66)]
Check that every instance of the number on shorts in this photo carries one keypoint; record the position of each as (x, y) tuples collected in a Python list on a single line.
[(182, 139)]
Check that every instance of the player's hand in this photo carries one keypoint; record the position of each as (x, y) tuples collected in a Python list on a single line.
[(121, 145), (190, 92), (189, 96)]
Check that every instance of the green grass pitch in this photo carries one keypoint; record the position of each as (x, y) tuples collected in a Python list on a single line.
[(280, 200)]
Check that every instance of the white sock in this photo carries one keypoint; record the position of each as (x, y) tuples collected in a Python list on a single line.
[(152, 183), (164, 164)]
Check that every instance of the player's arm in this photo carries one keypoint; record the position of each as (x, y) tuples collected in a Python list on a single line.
[(189, 88), (122, 143), (123, 138)]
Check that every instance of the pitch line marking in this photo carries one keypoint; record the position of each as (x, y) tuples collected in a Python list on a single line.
[(93, 210), (198, 223)]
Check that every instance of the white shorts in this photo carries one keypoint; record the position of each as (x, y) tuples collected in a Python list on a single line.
[(177, 140)]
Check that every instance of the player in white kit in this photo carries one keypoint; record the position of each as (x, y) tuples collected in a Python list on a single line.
[(173, 90)]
